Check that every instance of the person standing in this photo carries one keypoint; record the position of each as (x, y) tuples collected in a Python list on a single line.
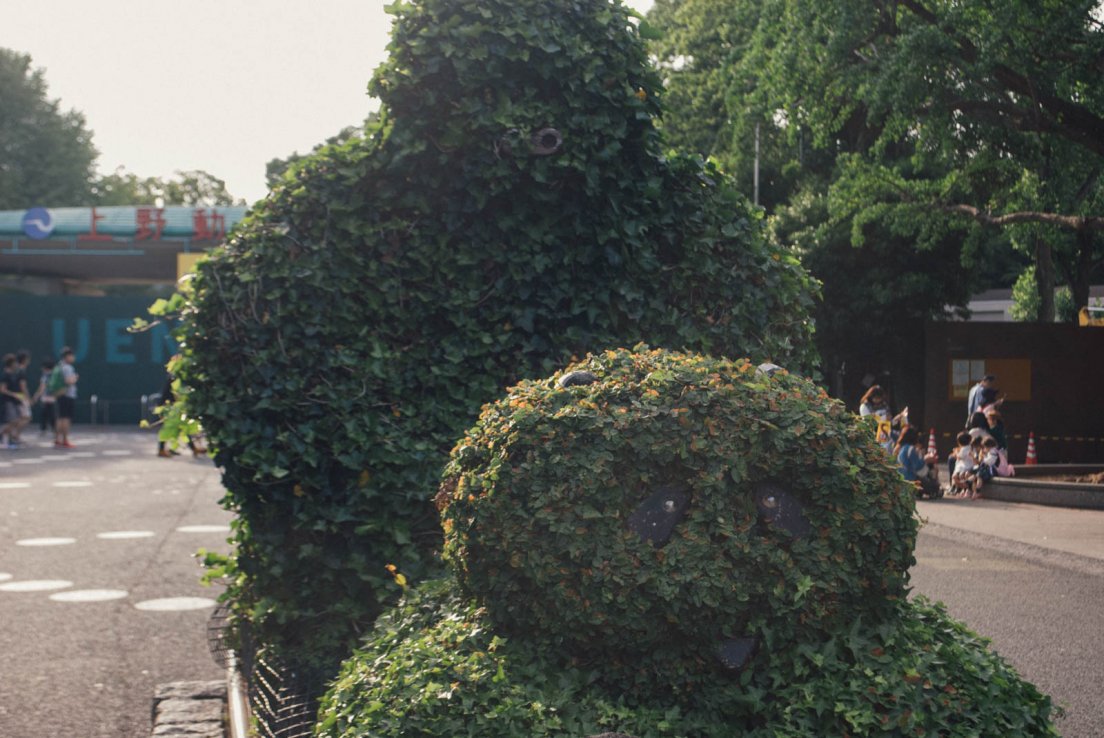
[(48, 418), (977, 393), (23, 361), (168, 397), (11, 392), (66, 398)]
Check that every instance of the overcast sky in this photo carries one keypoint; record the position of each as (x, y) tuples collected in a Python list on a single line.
[(218, 86)]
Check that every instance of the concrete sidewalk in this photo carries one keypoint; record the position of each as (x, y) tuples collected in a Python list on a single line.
[(1077, 532)]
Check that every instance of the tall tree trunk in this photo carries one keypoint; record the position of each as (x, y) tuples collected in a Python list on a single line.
[(1079, 285), (1044, 280)]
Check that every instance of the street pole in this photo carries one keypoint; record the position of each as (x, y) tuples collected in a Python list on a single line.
[(756, 197)]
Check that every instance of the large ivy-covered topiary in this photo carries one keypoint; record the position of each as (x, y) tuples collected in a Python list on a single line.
[(512, 208), (664, 544), (659, 511)]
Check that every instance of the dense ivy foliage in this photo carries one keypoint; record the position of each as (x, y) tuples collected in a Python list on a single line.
[(538, 502), (577, 626), (434, 667), (511, 208)]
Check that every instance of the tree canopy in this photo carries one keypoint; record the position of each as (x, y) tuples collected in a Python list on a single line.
[(195, 187), (927, 148), (1000, 106), (46, 154)]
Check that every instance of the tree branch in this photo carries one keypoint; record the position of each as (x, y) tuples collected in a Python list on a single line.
[(1071, 222)]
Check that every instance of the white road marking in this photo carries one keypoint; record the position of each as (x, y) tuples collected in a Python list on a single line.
[(89, 595), (203, 529), (117, 452), (171, 604), (82, 455), (4, 576), (35, 585), (29, 461), (77, 483), (45, 541), (118, 535), (14, 485)]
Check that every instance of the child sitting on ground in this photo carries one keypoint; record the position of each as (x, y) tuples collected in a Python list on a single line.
[(964, 479)]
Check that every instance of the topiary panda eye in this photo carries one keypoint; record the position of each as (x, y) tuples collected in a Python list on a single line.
[(546, 141), (780, 509), (656, 517), (736, 653)]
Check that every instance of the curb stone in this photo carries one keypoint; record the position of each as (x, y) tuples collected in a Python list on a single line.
[(189, 710)]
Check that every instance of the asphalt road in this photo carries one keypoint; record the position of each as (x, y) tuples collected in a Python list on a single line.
[(1042, 607), (100, 597)]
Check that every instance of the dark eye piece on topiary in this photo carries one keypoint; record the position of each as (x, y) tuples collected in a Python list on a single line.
[(655, 519), (546, 141), (780, 509), (576, 379), (735, 653)]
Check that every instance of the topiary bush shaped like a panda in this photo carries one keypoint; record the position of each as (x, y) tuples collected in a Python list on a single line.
[(513, 207), (665, 544), (673, 511)]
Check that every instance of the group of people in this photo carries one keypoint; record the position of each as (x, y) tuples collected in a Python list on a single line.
[(897, 437), (981, 450), (55, 392)]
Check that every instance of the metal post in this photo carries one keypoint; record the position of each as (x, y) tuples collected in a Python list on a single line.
[(236, 698), (92, 402), (756, 199)]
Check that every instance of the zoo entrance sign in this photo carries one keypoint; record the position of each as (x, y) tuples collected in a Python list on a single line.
[(105, 224)]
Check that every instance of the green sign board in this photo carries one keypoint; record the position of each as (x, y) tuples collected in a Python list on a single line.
[(116, 366)]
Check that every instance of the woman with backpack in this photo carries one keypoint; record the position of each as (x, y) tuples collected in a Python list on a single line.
[(63, 386)]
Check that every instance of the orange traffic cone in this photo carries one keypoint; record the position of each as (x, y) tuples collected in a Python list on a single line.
[(932, 450), (1032, 458)]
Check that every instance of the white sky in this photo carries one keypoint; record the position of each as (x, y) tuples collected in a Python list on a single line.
[(218, 86)]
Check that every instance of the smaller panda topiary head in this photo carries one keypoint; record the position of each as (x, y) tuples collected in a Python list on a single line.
[(669, 515), (537, 95)]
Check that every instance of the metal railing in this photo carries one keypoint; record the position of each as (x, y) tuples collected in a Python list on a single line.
[(96, 410)]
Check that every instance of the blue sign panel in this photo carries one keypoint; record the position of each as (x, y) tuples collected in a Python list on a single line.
[(38, 223)]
